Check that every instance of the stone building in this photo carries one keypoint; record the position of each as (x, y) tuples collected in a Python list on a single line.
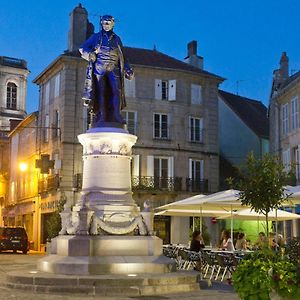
[(284, 121), (243, 128), (172, 106), (23, 203), (13, 89)]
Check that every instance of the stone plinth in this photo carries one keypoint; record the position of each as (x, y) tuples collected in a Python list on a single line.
[(96, 255)]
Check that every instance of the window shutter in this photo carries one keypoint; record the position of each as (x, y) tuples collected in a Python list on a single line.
[(158, 89), (47, 92), (130, 87), (150, 165), (190, 168), (196, 94), (136, 165), (57, 85), (46, 128), (171, 166), (201, 169), (172, 90), (201, 130)]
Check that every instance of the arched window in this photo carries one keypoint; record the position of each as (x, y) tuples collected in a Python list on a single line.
[(11, 98)]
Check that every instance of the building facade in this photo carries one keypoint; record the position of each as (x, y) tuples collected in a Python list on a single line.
[(13, 90), (243, 128), (284, 123), (23, 204), (172, 106)]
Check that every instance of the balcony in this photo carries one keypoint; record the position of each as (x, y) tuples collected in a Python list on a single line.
[(196, 186), (155, 184), (167, 184), (48, 184)]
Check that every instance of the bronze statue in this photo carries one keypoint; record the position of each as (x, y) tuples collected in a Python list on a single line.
[(107, 68)]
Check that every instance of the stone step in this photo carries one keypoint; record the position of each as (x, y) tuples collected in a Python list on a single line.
[(105, 285)]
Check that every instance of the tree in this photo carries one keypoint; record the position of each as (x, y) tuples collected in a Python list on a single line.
[(262, 187), (53, 225)]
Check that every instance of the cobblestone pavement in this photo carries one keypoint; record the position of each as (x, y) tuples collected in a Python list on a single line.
[(9, 262)]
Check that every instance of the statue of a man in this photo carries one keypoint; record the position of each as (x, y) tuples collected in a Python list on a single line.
[(107, 68)]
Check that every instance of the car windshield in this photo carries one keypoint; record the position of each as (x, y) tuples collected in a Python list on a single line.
[(12, 231)]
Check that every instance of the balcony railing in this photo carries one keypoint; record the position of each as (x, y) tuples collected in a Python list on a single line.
[(170, 184), (150, 183), (196, 186), (48, 184), (153, 184)]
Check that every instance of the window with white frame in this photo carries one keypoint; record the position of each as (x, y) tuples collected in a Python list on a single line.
[(196, 129), (294, 113), (11, 95), (285, 118), (165, 90), (196, 169), (161, 168), (56, 85), (131, 120), (196, 175), (286, 159), (196, 94), (161, 126)]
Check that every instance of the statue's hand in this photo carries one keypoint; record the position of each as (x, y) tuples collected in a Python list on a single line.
[(92, 56), (129, 74)]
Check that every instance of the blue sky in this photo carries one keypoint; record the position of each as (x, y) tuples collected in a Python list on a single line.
[(241, 40)]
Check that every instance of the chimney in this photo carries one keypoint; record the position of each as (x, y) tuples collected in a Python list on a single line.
[(80, 28), (281, 74), (192, 58), (284, 66)]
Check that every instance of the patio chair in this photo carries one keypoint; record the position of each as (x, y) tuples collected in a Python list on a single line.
[(226, 264), (209, 262)]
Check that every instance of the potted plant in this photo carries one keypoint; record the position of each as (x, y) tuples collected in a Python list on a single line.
[(265, 275)]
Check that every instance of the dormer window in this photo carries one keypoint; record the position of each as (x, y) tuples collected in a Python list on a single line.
[(11, 96)]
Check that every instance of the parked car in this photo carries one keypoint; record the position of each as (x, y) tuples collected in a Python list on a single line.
[(13, 238)]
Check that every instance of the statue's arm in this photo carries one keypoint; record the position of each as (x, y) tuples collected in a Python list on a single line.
[(87, 49), (129, 74)]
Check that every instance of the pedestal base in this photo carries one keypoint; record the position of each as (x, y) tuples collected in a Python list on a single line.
[(96, 255), (105, 285)]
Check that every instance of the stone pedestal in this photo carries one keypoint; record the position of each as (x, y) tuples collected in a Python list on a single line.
[(98, 255), (105, 232)]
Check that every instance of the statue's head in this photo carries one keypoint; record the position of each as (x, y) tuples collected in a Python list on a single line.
[(107, 22)]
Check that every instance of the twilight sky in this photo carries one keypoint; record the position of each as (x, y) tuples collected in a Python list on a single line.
[(241, 40)]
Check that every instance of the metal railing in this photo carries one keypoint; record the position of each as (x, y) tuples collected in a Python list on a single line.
[(195, 186), (48, 184), (153, 183)]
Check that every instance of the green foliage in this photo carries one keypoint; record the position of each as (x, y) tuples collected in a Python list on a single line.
[(285, 279), (293, 250), (262, 187), (264, 271), (53, 225), (251, 279)]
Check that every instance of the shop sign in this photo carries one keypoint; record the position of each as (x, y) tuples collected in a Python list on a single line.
[(49, 205)]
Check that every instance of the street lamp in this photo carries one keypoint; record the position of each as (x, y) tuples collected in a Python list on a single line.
[(23, 166)]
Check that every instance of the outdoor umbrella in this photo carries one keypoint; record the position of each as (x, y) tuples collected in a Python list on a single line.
[(225, 201), (248, 214)]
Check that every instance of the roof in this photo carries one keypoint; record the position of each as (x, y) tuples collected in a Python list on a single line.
[(289, 80), (252, 112), (154, 58), (13, 62)]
